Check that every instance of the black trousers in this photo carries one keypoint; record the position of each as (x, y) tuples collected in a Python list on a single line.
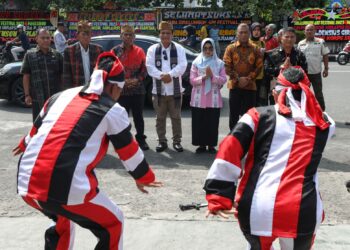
[(316, 81), (240, 100), (135, 104), (205, 126), (35, 110), (262, 92)]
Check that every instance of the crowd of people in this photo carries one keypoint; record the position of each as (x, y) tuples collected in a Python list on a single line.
[(284, 142)]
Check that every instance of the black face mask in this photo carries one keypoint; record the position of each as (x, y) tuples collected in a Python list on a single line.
[(254, 38)]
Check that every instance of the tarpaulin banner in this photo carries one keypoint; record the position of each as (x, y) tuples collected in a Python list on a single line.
[(32, 20), (227, 21), (110, 22)]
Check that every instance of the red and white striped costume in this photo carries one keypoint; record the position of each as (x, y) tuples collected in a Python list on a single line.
[(277, 194), (56, 171)]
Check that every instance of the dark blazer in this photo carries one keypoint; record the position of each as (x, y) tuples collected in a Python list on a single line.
[(73, 71)]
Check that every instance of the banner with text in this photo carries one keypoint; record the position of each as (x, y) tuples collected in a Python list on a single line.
[(32, 20), (110, 22), (226, 21), (332, 23)]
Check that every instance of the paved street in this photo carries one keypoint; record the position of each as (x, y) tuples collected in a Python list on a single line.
[(154, 221)]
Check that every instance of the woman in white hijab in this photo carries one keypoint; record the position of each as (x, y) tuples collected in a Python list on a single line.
[(207, 77)]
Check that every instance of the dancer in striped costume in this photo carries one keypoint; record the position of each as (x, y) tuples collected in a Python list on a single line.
[(277, 194), (68, 139)]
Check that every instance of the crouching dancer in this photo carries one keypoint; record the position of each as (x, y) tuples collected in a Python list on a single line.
[(278, 195), (68, 139)]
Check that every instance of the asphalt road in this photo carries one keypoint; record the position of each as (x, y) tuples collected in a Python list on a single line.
[(183, 175)]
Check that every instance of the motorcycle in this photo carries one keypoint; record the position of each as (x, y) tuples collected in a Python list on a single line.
[(6, 55), (344, 56)]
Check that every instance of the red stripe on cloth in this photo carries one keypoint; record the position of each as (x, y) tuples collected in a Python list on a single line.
[(92, 178), (63, 229), (101, 216), (128, 151), (147, 178), (249, 163), (266, 242), (40, 178), (22, 144), (31, 202), (254, 114), (33, 131), (289, 193), (217, 202), (229, 144)]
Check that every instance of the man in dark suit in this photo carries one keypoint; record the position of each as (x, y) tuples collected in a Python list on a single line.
[(80, 58)]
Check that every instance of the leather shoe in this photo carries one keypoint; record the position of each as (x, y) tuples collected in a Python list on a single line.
[(161, 147), (201, 149), (211, 150), (143, 145), (178, 147)]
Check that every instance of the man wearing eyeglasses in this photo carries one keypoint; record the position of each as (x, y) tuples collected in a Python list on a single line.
[(42, 71), (79, 59), (166, 63)]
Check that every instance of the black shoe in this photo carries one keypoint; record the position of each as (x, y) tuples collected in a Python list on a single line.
[(201, 149), (143, 145), (161, 147), (212, 150), (178, 147)]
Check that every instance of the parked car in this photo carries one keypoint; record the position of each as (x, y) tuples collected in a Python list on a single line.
[(11, 86)]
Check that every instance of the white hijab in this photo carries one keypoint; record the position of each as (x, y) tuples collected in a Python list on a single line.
[(214, 62)]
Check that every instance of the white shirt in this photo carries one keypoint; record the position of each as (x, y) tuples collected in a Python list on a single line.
[(314, 52), (178, 71), (86, 62), (60, 41)]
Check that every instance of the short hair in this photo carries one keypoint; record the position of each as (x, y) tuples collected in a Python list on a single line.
[(271, 26), (43, 29), (288, 29), (243, 25), (84, 26)]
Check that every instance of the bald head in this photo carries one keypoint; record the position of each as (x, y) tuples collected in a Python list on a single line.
[(243, 33), (310, 31)]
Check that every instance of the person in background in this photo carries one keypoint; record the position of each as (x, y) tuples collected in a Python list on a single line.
[(261, 88), (80, 58), (278, 194), (166, 63), (279, 36), (42, 72), (315, 51), (132, 97), (59, 38), (214, 33), (283, 57), (190, 39), (243, 63), (207, 78), (204, 31), (271, 42), (22, 40)]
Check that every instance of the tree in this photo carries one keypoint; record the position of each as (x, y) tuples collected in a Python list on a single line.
[(271, 11)]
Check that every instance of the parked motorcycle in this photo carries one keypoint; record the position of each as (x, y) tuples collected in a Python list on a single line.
[(344, 56)]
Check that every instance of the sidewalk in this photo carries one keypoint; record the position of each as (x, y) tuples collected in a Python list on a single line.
[(23, 233)]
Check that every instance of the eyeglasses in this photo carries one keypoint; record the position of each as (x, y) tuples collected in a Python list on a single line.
[(208, 48), (165, 56)]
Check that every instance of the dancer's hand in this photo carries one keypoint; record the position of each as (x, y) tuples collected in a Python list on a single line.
[(221, 213)]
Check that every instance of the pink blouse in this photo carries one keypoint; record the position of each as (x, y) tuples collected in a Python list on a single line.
[(213, 98)]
